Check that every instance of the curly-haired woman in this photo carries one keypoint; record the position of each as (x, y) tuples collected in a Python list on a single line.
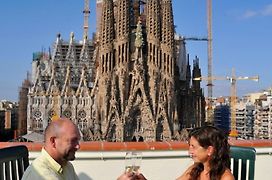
[(209, 149)]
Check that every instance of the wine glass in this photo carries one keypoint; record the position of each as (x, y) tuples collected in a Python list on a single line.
[(133, 161)]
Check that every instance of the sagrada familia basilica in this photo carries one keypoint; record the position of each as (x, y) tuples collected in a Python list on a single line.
[(131, 82)]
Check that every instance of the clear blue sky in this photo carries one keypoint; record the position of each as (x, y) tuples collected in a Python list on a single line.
[(242, 37)]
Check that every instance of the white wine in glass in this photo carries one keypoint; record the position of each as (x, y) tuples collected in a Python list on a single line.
[(133, 161)]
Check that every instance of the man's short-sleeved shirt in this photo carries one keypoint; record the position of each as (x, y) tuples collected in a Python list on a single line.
[(46, 168)]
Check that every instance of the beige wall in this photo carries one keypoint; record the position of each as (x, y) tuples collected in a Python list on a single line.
[(156, 165)]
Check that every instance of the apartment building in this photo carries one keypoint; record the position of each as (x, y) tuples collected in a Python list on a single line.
[(263, 116), (8, 120)]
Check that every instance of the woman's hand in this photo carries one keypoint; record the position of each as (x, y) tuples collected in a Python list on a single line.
[(126, 176), (131, 176), (139, 177)]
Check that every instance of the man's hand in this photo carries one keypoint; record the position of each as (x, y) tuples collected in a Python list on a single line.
[(126, 176)]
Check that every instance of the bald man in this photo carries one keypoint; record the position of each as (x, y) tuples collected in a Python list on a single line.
[(61, 142)]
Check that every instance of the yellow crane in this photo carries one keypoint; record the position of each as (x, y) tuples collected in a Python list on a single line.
[(233, 97)]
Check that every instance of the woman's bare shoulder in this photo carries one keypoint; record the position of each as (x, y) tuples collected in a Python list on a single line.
[(186, 174), (227, 175)]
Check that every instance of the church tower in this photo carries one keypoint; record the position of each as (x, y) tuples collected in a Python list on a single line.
[(136, 92), (131, 82)]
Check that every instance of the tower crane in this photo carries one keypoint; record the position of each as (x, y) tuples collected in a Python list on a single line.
[(209, 84), (183, 38), (209, 51), (86, 13), (232, 79)]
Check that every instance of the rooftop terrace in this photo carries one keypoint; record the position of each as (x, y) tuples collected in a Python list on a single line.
[(161, 160)]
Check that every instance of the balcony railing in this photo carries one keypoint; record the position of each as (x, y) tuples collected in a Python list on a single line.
[(161, 160)]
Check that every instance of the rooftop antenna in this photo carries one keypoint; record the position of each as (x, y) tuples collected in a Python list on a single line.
[(86, 13)]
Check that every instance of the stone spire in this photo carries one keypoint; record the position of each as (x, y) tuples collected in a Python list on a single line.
[(71, 54), (167, 102), (82, 89), (57, 54), (106, 62), (167, 45), (106, 34), (153, 28), (123, 20), (167, 24), (153, 22), (84, 54), (123, 47), (66, 89), (182, 59), (196, 73)]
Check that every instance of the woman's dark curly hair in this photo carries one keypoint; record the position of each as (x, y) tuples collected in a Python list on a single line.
[(220, 159)]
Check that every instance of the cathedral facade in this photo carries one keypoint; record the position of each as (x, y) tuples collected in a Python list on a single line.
[(133, 82)]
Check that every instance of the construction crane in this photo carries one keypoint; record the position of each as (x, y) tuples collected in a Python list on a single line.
[(209, 84), (86, 13), (233, 97), (209, 51), (183, 38)]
